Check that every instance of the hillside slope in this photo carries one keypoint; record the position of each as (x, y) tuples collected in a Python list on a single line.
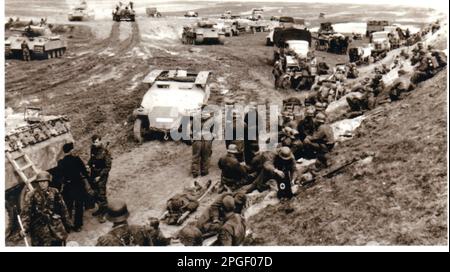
[(397, 196)]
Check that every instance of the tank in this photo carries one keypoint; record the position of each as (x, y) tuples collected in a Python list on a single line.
[(39, 137), (80, 13), (203, 32), (40, 40), (124, 13), (152, 12)]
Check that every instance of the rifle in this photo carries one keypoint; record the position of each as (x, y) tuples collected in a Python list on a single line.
[(22, 228), (329, 173)]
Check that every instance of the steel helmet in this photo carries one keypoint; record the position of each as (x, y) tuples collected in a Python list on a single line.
[(43, 176)]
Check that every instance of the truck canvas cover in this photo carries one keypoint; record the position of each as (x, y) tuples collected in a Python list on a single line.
[(280, 36)]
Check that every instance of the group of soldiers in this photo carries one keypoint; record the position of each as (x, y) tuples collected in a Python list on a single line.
[(56, 205)]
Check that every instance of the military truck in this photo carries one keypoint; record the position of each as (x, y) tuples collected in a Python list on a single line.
[(33, 143), (257, 14), (80, 13), (380, 42), (360, 55), (292, 49), (191, 14), (40, 40), (202, 32), (173, 98), (152, 12), (334, 43), (374, 26), (124, 13), (326, 29)]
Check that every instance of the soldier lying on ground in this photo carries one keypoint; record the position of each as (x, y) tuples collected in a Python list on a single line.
[(184, 202), (214, 217)]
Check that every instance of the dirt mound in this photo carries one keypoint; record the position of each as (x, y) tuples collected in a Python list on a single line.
[(395, 197)]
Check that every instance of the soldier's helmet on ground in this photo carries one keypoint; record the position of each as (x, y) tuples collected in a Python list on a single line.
[(43, 176), (117, 211), (232, 148), (321, 117), (228, 203), (190, 235), (285, 153)]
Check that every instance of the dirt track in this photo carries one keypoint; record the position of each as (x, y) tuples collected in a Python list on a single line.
[(97, 84)]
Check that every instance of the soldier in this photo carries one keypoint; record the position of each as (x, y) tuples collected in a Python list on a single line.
[(400, 85), (427, 69), (278, 168), (190, 235), (74, 175), (359, 104), (321, 142), (352, 71), (154, 234), (377, 84), (307, 126), (44, 215), (232, 233), (234, 173), (213, 218), (179, 204), (201, 149), (121, 233), (100, 165), (238, 140), (25, 51), (251, 144)]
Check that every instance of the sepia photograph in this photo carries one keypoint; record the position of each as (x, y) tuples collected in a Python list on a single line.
[(217, 124)]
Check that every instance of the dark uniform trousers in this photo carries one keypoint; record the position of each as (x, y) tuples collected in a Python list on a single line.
[(201, 154)]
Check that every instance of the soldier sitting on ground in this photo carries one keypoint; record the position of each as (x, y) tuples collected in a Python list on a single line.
[(321, 142), (213, 218), (427, 68), (401, 85), (154, 234), (234, 173), (232, 233), (190, 235)]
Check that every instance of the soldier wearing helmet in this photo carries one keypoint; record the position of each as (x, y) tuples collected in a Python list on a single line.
[(213, 218), (121, 233), (44, 215), (154, 234), (234, 174), (307, 126), (232, 233), (321, 142), (190, 235)]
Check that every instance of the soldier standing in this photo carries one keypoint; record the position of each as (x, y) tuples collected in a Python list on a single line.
[(100, 165), (25, 51), (121, 233), (74, 177), (44, 215), (201, 148), (251, 135)]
